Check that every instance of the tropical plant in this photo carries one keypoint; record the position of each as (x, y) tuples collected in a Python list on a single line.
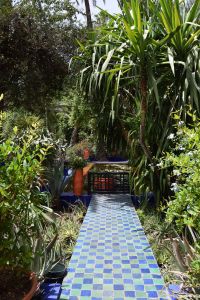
[(131, 60)]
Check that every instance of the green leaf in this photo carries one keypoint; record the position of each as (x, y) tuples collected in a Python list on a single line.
[(171, 59)]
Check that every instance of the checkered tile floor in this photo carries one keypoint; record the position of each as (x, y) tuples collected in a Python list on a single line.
[(112, 258)]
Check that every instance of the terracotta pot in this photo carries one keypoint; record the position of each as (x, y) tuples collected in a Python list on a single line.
[(33, 289), (78, 182)]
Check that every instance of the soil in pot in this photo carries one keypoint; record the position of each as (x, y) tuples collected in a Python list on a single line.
[(14, 284)]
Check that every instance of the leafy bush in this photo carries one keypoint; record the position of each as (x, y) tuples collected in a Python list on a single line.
[(21, 211), (28, 229), (184, 209)]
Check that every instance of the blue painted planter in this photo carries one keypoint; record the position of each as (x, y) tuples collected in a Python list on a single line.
[(50, 291), (85, 199), (69, 198), (115, 158), (136, 201), (148, 200), (66, 171)]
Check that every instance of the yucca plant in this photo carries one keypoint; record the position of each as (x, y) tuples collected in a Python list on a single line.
[(183, 50), (130, 58)]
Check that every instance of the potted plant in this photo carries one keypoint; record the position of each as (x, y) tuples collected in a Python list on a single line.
[(24, 214), (77, 163)]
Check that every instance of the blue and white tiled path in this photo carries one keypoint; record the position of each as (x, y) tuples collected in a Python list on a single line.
[(112, 258)]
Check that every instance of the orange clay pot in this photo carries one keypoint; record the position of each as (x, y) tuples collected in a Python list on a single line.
[(78, 182), (33, 289)]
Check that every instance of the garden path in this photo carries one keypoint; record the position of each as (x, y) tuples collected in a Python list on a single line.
[(112, 258)]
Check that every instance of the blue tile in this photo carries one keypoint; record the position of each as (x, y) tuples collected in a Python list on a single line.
[(87, 280), (99, 266), (125, 261), (108, 281), (152, 294), (116, 266), (159, 287), (153, 265), (89, 270), (148, 281), (108, 261), (118, 287), (139, 287), (77, 286), (126, 271), (85, 293), (108, 271), (91, 261), (130, 294), (128, 281), (145, 271)]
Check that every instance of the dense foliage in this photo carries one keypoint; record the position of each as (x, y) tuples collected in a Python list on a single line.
[(138, 68), (137, 96), (36, 45), (22, 210), (185, 159)]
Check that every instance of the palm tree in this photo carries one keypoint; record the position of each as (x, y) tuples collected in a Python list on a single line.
[(137, 54), (88, 12)]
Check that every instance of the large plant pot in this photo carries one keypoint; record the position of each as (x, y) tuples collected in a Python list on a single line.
[(78, 182), (33, 289), (56, 274)]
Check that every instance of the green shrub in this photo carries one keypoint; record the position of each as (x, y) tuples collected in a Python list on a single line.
[(184, 208), (28, 227)]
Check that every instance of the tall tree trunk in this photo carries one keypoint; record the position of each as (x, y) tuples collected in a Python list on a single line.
[(101, 149), (74, 137), (125, 133), (88, 14), (143, 90)]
